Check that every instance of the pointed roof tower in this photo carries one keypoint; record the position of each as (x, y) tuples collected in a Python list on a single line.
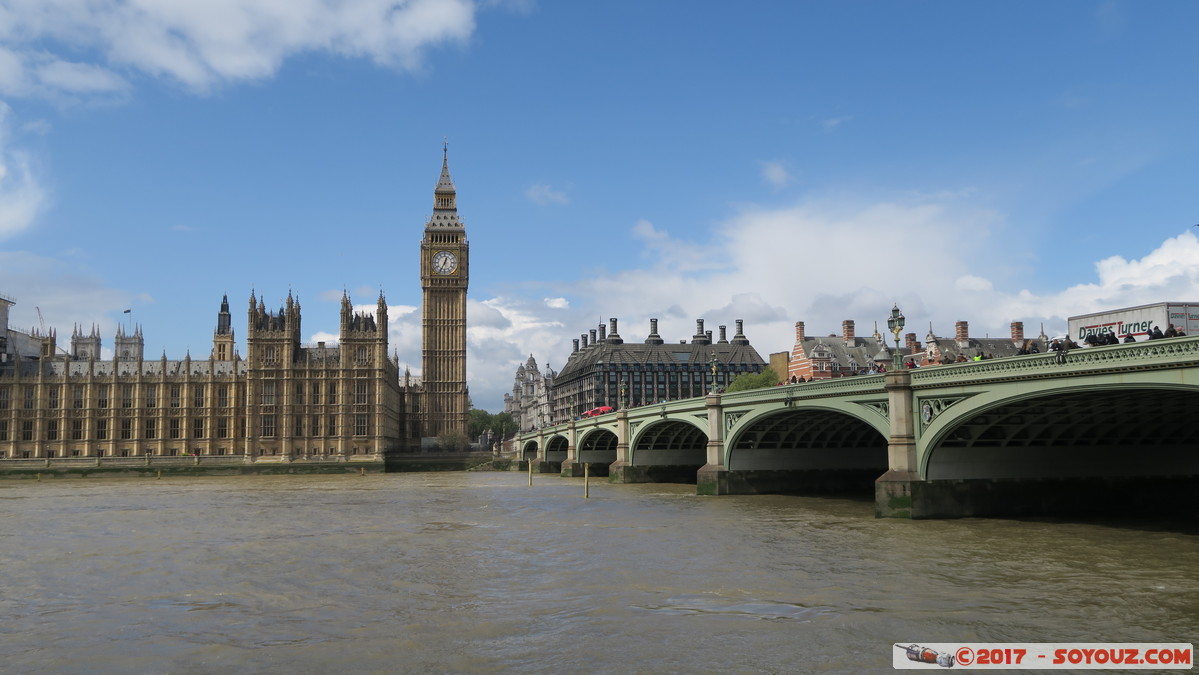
[(445, 197), (224, 320)]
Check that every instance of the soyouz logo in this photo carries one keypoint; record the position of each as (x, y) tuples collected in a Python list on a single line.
[(1044, 656)]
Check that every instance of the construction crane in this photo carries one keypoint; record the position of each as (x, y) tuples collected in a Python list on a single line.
[(40, 320)]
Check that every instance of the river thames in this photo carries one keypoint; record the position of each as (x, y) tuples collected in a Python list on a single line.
[(481, 573)]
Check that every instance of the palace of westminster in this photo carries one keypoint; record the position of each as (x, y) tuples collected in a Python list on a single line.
[(284, 401)]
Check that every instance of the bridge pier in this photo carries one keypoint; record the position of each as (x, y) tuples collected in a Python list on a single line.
[(901, 486), (621, 471), (714, 480), (626, 473), (713, 477), (896, 491), (571, 467)]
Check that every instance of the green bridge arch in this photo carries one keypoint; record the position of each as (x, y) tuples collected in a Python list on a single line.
[(951, 435)]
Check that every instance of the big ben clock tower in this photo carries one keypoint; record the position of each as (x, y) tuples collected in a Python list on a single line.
[(444, 272)]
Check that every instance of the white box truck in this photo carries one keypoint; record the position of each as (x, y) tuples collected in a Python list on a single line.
[(1137, 321)]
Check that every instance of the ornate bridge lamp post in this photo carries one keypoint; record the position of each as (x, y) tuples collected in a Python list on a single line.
[(895, 324), (624, 390), (713, 363)]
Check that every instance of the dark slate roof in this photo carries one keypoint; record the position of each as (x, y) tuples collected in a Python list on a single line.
[(996, 347), (657, 356), (860, 352)]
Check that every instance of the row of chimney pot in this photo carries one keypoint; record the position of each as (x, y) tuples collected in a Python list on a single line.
[(610, 336), (961, 333)]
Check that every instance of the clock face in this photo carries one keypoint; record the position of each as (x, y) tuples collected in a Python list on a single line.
[(444, 262)]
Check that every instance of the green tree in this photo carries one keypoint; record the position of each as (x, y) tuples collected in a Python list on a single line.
[(452, 441), (477, 421), (766, 378), (502, 423)]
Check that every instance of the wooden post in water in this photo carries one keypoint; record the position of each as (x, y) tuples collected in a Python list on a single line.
[(530, 472), (586, 480), (160, 474)]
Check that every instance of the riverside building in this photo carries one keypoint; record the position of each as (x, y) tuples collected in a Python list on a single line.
[(816, 357), (604, 370), (284, 401)]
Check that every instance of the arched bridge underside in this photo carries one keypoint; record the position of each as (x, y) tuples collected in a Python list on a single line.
[(1110, 429), (1111, 432)]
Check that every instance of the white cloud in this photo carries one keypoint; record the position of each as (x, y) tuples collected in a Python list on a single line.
[(330, 339), (39, 127), (543, 195), (969, 282), (664, 250), (21, 195), (66, 293), (204, 44), (833, 123), (775, 173), (557, 303), (78, 78), (1109, 20)]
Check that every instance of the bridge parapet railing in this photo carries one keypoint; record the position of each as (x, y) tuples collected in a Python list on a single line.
[(838, 386), (1145, 355)]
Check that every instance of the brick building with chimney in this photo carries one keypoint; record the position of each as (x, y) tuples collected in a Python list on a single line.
[(821, 358)]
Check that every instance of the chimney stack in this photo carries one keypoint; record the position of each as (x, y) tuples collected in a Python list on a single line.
[(909, 341), (603, 333), (961, 333), (739, 338), (584, 336), (593, 340), (653, 338), (613, 336), (1018, 331), (723, 340), (847, 332), (799, 333), (576, 348)]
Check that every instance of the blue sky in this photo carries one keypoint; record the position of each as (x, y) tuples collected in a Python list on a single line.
[(773, 162)]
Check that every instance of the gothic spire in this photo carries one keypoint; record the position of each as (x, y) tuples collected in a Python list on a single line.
[(444, 195)]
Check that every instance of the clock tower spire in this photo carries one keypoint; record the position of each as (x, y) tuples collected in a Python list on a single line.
[(444, 272)]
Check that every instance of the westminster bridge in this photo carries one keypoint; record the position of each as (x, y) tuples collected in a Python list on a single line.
[(1109, 428)]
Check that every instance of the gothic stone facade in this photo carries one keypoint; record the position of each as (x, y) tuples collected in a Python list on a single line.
[(530, 404), (285, 401), (445, 274)]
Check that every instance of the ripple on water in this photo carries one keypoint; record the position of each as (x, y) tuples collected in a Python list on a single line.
[(714, 604)]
